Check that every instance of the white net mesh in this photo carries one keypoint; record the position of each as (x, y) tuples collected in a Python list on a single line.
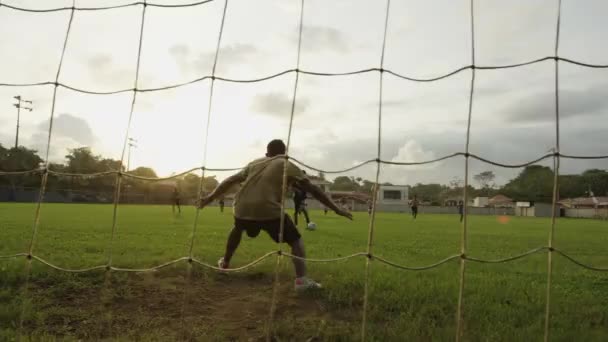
[(44, 172)]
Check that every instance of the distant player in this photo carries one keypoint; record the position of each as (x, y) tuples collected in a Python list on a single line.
[(221, 203), (414, 206), (461, 210), (175, 201), (369, 208), (299, 201), (257, 206), (325, 209)]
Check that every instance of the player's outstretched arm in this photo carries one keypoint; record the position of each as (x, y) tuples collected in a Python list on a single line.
[(221, 189), (320, 195)]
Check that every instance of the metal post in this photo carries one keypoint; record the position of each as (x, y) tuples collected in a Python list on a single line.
[(17, 133), (131, 144), (128, 158), (19, 106)]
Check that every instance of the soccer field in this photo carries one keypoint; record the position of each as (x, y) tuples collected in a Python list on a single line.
[(502, 302)]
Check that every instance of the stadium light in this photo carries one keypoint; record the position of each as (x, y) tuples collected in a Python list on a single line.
[(19, 106), (132, 143)]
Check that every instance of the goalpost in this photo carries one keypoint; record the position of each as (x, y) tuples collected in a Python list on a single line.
[(368, 254)]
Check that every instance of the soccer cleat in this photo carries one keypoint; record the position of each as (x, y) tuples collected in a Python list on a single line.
[(305, 283), (222, 264)]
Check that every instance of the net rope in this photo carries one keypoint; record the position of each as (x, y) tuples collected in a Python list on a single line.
[(103, 8), (568, 257), (465, 193), (304, 72), (118, 181), (314, 168), (276, 282), (556, 162), (44, 171), (372, 220), (44, 178), (203, 169)]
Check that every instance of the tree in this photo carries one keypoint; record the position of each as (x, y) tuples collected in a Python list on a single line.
[(595, 180), (456, 183), (455, 190), (191, 182), (210, 183), (132, 186), (143, 171), (189, 185), (534, 183), (3, 156), (20, 159), (343, 183), (485, 180), (108, 164), (367, 186), (429, 192), (82, 160), (55, 182), (571, 186)]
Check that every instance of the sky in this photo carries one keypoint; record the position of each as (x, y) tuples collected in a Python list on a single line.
[(335, 122)]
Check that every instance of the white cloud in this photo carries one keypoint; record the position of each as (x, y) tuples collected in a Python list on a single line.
[(69, 131), (336, 120), (277, 104), (412, 151), (324, 38)]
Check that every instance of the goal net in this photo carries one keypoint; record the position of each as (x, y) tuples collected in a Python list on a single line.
[(115, 180)]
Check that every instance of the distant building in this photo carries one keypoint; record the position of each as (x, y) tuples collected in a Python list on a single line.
[(321, 183), (501, 201), (351, 199), (452, 201), (535, 209), (393, 198), (391, 194), (481, 202), (546, 210), (350, 195), (585, 202)]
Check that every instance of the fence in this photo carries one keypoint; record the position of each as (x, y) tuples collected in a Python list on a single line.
[(600, 213), (30, 195)]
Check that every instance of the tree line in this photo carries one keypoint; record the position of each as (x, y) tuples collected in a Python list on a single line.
[(533, 183), (82, 160)]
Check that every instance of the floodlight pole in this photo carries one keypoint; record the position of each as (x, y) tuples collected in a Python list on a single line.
[(19, 105), (131, 144), (553, 150)]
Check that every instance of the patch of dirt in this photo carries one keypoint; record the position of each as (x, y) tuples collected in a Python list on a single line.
[(172, 305)]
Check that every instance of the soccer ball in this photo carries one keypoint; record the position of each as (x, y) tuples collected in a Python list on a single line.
[(311, 226)]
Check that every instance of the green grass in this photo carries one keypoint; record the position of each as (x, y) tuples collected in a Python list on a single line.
[(502, 302)]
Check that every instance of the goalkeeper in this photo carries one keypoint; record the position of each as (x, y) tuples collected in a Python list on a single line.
[(258, 206)]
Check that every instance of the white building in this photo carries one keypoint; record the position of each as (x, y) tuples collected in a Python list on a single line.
[(393, 198), (321, 183), (481, 202)]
